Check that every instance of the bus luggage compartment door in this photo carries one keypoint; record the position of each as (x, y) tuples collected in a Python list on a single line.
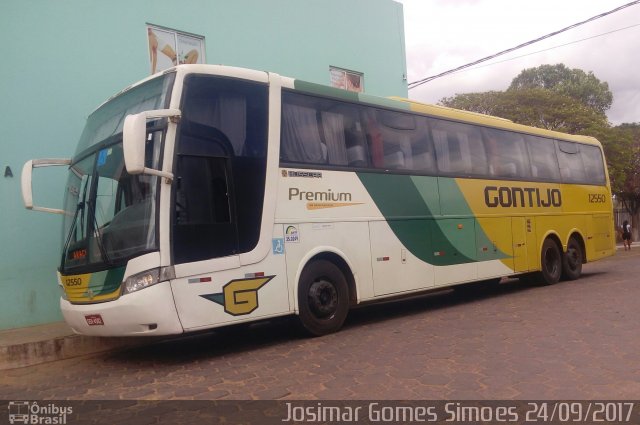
[(395, 268), (520, 244)]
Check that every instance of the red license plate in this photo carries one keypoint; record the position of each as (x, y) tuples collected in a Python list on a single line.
[(94, 320)]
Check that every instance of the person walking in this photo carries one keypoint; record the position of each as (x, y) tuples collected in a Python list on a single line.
[(626, 235)]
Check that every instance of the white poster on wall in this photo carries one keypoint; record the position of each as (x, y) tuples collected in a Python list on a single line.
[(168, 48), (346, 80)]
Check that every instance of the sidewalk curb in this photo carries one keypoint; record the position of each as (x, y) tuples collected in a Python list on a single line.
[(30, 353)]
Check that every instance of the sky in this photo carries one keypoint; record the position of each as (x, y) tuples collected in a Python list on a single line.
[(444, 34)]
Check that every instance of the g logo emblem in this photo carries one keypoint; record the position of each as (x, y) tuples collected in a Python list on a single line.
[(239, 296)]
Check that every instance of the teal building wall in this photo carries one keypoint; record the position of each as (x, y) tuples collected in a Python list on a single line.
[(62, 58)]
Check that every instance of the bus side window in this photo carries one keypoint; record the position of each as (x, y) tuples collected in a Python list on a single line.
[(423, 154), (397, 128), (374, 137), (459, 148), (544, 161), (571, 166), (477, 154), (593, 164), (355, 142), (301, 141), (506, 153), (333, 137)]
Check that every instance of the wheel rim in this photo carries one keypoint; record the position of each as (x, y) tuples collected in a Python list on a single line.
[(552, 262), (323, 299)]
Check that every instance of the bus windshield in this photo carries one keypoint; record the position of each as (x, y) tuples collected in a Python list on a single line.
[(110, 215), (108, 119)]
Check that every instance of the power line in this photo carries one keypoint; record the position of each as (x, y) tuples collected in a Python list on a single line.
[(549, 48), (417, 83)]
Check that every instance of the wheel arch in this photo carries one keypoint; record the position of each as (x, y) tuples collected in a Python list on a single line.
[(339, 259), (555, 238)]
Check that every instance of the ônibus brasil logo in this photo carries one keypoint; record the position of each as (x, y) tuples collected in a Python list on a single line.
[(32, 412)]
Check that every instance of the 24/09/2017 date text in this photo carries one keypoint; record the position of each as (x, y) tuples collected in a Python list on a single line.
[(547, 411)]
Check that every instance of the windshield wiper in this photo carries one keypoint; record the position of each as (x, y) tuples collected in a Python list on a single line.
[(79, 207), (98, 237)]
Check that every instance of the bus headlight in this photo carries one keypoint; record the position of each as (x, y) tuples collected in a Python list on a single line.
[(147, 278)]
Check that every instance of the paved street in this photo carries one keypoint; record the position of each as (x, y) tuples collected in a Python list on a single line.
[(574, 340)]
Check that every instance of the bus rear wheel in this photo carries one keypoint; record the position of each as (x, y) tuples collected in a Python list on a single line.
[(551, 263), (572, 260), (323, 298)]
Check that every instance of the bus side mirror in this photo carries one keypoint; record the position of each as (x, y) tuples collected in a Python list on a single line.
[(134, 139), (26, 179), (134, 136)]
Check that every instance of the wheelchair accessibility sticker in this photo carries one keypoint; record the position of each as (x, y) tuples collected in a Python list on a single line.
[(278, 246)]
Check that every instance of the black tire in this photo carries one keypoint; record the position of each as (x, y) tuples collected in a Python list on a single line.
[(323, 298), (572, 260), (551, 263)]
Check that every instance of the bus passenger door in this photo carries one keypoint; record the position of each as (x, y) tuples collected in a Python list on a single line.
[(204, 216), (521, 242), (211, 287)]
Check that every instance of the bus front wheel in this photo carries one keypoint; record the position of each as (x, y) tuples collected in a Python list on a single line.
[(551, 262), (572, 261), (323, 298)]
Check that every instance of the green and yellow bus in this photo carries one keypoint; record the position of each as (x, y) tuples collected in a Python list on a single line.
[(208, 195)]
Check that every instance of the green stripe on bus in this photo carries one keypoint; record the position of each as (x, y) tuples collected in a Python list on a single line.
[(322, 90), (411, 206), (383, 101)]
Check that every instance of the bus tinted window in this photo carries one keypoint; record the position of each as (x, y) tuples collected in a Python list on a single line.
[(321, 131), (223, 112), (423, 151), (396, 130), (544, 162), (506, 154), (301, 135), (459, 148), (398, 141), (593, 164), (328, 132), (571, 166)]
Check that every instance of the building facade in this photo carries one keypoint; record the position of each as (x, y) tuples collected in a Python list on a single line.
[(62, 59)]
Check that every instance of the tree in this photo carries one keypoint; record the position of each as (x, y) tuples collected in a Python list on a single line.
[(620, 154), (535, 107), (482, 103), (575, 83), (626, 157)]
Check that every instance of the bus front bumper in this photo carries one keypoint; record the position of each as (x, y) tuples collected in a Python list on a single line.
[(150, 311)]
